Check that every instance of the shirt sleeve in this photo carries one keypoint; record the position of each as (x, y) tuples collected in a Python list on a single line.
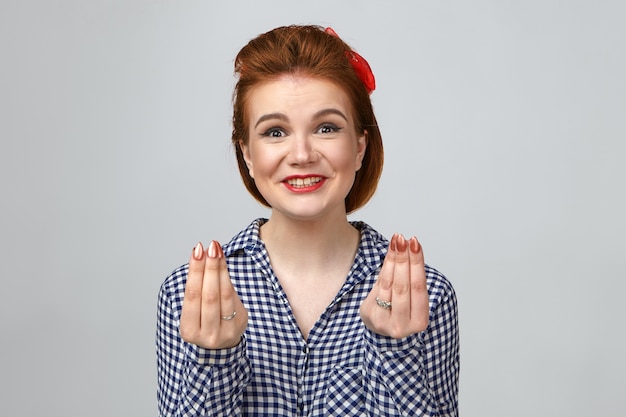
[(416, 375), (193, 381)]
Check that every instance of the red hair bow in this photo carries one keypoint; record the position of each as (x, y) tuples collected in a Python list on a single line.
[(360, 65)]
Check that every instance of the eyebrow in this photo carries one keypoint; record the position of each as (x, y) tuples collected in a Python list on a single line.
[(284, 118), (271, 116), (330, 111)]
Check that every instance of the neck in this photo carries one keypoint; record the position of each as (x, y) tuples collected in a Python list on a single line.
[(310, 243)]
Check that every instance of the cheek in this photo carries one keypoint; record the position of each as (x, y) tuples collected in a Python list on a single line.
[(260, 163), (259, 160), (348, 158)]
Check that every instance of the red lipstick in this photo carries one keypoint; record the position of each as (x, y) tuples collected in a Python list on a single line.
[(304, 183)]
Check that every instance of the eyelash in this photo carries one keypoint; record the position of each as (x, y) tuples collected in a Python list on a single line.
[(270, 132), (274, 130), (333, 128)]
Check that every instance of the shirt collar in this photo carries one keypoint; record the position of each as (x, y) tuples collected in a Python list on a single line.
[(370, 255), (248, 239)]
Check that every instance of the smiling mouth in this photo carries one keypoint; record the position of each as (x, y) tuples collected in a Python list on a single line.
[(303, 182)]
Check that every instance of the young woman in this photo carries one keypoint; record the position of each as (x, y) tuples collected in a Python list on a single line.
[(306, 313)]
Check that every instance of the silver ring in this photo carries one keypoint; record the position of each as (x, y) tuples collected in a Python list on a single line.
[(384, 304), (232, 316)]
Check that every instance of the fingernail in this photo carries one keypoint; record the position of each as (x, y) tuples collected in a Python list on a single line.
[(212, 251), (197, 251), (401, 243), (392, 243), (414, 245)]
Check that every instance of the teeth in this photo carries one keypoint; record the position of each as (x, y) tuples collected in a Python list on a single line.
[(304, 182)]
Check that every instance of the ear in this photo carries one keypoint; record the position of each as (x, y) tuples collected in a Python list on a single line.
[(361, 147), (245, 151)]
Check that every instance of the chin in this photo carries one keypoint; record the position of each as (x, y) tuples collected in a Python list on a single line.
[(309, 212)]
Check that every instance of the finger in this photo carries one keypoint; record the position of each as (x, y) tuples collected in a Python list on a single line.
[(419, 290), (210, 315), (401, 288), (192, 301), (386, 276), (228, 296)]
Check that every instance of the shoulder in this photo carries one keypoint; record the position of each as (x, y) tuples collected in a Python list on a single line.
[(173, 288), (440, 289), (437, 282)]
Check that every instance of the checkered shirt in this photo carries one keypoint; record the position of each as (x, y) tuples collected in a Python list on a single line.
[(342, 369)]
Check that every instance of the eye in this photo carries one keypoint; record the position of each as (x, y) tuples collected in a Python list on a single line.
[(274, 132), (327, 128)]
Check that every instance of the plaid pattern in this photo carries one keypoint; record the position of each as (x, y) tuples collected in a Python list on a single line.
[(343, 369)]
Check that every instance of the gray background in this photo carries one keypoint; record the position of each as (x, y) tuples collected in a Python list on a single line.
[(504, 125)]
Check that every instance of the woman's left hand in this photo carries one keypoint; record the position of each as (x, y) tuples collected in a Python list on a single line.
[(397, 306)]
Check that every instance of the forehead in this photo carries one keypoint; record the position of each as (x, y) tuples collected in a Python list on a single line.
[(296, 95)]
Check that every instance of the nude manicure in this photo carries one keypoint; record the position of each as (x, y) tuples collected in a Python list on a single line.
[(392, 243), (197, 251), (212, 252), (401, 243)]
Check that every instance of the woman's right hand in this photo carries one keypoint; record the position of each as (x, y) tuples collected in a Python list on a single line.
[(213, 316)]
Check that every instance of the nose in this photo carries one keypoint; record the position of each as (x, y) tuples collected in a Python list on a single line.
[(302, 151)]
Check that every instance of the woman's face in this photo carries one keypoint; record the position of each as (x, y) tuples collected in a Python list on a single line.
[(303, 149)]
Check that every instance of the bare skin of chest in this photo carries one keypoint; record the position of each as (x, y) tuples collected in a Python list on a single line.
[(309, 299), (311, 271)]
